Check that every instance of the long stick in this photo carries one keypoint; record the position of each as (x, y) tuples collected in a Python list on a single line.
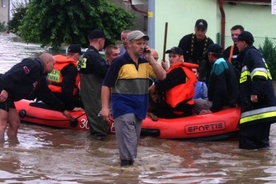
[(165, 40)]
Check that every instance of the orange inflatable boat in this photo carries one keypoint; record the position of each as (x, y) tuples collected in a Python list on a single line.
[(40, 114), (215, 126)]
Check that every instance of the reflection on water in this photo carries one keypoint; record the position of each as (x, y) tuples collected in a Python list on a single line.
[(47, 155)]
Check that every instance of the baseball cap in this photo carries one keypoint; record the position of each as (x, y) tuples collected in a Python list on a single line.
[(214, 48), (136, 35), (247, 37), (96, 33), (74, 48), (201, 23), (175, 50)]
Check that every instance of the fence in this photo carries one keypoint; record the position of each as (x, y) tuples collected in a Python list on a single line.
[(258, 41)]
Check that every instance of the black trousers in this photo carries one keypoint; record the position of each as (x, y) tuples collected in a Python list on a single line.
[(254, 136), (166, 111)]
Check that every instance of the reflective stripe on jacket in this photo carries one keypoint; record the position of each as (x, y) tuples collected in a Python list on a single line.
[(56, 78), (258, 114), (255, 79)]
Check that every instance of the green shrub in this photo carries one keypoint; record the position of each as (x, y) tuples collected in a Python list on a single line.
[(269, 54), (3, 28)]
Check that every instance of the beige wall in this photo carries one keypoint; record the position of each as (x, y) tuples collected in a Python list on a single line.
[(256, 19), (182, 14)]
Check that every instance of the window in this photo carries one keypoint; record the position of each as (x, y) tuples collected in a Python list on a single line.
[(3, 3)]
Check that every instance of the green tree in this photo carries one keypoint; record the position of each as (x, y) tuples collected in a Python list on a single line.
[(269, 54), (70, 21), (19, 11)]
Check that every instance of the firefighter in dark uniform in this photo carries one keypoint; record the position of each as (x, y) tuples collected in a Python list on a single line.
[(194, 46), (93, 68), (258, 103), (26, 80), (64, 79)]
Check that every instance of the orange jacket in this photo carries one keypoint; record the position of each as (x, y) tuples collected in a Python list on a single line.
[(55, 77), (185, 91)]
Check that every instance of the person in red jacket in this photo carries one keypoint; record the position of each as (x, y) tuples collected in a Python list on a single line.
[(64, 79), (26, 80), (179, 85)]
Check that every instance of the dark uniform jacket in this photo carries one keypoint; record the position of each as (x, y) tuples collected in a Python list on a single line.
[(256, 80), (26, 80), (93, 63), (223, 87), (194, 53)]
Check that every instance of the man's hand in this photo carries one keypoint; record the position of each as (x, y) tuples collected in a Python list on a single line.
[(148, 54), (254, 98), (3, 96), (205, 112), (78, 109), (106, 114)]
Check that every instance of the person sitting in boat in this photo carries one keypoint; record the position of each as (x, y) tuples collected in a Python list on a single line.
[(26, 80), (179, 85), (222, 88), (64, 79), (201, 90)]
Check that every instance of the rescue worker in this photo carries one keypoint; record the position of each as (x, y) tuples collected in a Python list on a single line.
[(194, 46), (231, 53), (178, 86), (64, 79), (93, 68), (25, 80), (258, 103)]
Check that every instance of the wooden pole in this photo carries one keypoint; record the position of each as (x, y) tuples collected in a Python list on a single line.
[(165, 40)]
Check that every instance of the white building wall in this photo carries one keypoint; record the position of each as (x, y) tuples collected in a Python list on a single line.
[(4, 11)]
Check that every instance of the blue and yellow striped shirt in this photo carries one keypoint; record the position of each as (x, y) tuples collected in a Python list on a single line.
[(129, 86)]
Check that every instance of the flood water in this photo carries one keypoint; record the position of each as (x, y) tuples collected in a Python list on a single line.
[(48, 155)]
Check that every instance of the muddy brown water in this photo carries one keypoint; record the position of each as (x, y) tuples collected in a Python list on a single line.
[(48, 155)]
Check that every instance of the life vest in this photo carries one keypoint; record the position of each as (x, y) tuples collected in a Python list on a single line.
[(56, 78), (185, 91)]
